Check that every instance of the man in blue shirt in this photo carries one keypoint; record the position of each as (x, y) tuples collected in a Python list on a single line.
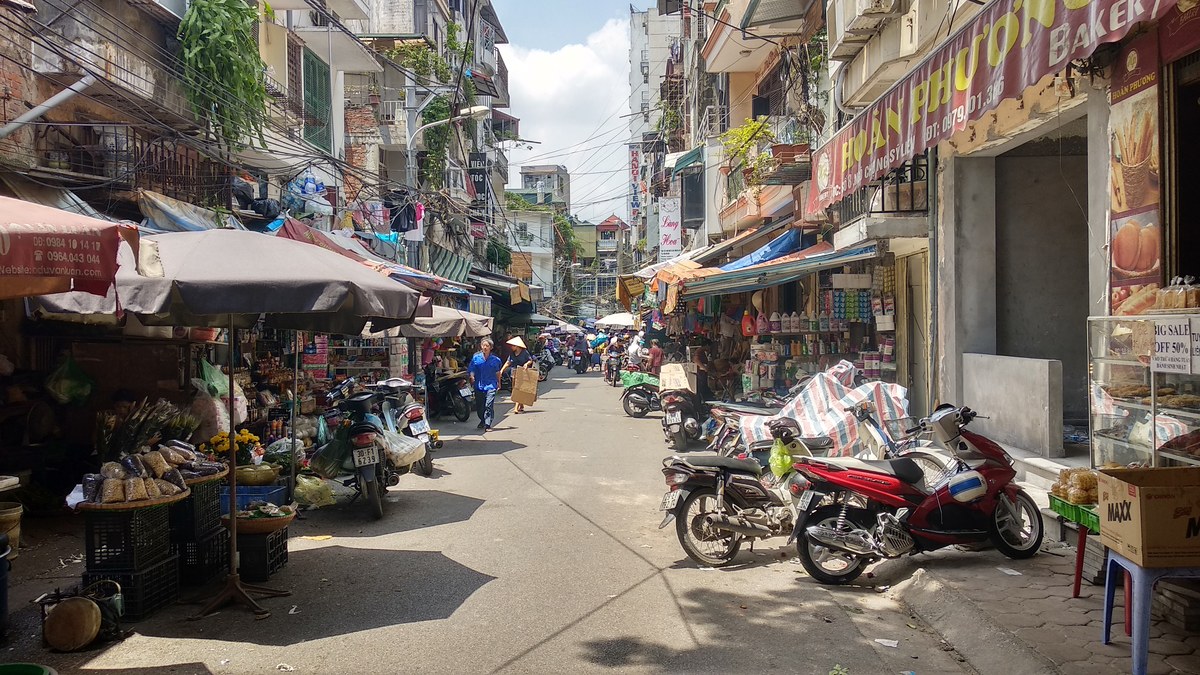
[(485, 375)]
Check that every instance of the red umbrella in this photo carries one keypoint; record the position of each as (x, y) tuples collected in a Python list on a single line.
[(47, 250)]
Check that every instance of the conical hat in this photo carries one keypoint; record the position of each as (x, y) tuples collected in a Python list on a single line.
[(516, 342)]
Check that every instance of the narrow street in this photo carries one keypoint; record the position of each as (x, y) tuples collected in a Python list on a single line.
[(535, 549)]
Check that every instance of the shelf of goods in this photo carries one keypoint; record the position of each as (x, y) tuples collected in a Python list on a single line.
[(1139, 416)]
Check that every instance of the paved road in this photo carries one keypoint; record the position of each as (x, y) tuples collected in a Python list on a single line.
[(533, 549)]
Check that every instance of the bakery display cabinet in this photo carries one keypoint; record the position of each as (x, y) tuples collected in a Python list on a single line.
[(1140, 417)]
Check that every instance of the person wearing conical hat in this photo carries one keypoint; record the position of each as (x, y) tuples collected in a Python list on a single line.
[(519, 358)]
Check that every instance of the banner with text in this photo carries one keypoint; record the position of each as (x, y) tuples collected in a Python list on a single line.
[(670, 229), (1133, 177), (1009, 46)]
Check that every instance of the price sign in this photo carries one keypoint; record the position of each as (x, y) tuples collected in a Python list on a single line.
[(1172, 346)]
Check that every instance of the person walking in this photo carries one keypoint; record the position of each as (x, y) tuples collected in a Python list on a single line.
[(656, 357), (520, 358), (485, 375)]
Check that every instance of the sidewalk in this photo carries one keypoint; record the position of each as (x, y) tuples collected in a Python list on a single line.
[(1010, 623)]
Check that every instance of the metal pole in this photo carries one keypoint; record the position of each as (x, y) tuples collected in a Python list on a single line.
[(233, 509), (295, 405), (55, 100)]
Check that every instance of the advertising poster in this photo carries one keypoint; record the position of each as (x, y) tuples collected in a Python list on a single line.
[(670, 229), (1133, 127)]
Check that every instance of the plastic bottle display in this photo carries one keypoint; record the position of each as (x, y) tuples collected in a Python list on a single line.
[(794, 322), (763, 326), (748, 325), (776, 323)]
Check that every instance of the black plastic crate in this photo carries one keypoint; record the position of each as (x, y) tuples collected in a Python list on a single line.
[(261, 555), (203, 560), (144, 592), (132, 539), (199, 514)]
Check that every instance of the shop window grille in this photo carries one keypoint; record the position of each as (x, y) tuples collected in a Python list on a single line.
[(318, 108), (295, 74), (903, 190)]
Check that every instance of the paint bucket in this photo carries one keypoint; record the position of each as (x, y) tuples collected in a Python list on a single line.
[(10, 524)]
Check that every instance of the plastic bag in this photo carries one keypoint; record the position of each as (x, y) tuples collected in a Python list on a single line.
[(781, 459), (313, 492), (327, 460), (277, 452), (68, 383), (213, 416), (241, 410), (323, 436), (218, 382), (402, 450)]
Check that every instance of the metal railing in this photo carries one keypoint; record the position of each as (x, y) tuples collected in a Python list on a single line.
[(904, 189), (713, 122)]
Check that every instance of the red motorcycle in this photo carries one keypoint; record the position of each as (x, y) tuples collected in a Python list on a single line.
[(856, 511)]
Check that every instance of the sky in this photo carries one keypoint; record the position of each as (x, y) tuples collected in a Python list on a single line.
[(568, 64)]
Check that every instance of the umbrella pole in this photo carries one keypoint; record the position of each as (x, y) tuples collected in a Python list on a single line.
[(235, 591), (295, 404)]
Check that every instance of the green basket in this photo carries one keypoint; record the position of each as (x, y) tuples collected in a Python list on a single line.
[(1082, 514)]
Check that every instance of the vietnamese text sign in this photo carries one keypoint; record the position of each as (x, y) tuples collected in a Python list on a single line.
[(670, 229), (43, 250), (1009, 46), (1172, 346)]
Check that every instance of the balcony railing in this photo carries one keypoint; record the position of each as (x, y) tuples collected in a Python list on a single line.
[(903, 190), (713, 122), (606, 245)]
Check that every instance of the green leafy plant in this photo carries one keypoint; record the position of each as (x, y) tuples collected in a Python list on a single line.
[(499, 254), (223, 74), (741, 145), (437, 141), (420, 58)]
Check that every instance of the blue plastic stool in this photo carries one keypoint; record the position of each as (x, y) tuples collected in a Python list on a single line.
[(1142, 580)]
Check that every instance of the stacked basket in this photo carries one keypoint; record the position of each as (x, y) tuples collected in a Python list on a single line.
[(198, 537), (133, 548)]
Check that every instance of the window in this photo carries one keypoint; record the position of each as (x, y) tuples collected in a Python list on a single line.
[(318, 109), (608, 235)]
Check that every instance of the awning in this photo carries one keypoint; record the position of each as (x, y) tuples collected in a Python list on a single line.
[(719, 249), (166, 214), (448, 322), (448, 264), (47, 250), (649, 271), (923, 109), (786, 269), (786, 243), (54, 197), (341, 50), (687, 159)]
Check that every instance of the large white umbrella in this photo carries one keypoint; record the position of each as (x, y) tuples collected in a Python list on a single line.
[(618, 320)]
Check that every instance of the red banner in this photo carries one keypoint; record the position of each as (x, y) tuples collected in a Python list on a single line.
[(1009, 46), (85, 254)]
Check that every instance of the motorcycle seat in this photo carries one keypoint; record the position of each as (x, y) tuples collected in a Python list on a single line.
[(361, 402), (902, 467), (817, 442), (722, 462)]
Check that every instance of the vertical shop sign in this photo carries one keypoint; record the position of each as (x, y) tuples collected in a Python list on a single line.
[(1133, 132), (477, 169), (670, 229), (635, 204)]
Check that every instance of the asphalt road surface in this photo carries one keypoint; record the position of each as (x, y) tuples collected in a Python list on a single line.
[(534, 548)]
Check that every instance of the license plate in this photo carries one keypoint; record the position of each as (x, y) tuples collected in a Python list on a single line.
[(807, 499), (419, 427), (465, 391), (669, 500), (674, 417), (366, 456)]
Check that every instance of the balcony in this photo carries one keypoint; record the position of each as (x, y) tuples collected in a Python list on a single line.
[(344, 9), (903, 191), (393, 126), (606, 245)]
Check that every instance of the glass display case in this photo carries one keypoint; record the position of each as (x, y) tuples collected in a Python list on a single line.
[(1139, 417)]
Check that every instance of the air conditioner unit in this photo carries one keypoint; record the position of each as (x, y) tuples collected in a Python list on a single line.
[(880, 8)]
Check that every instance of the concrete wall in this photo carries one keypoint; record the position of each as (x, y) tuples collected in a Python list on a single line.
[(1022, 397), (1042, 263)]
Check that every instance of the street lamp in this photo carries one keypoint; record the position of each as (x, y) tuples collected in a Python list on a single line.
[(410, 169)]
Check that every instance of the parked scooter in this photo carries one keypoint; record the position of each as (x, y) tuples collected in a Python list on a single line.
[(448, 393), (640, 399), (682, 414), (718, 502), (369, 464), (408, 417), (855, 511)]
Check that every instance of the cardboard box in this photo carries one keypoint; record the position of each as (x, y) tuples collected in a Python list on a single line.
[(676, 376), (1152, 516)]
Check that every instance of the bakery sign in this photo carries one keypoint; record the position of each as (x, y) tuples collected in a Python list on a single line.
[(1007, 47), (1172, 346)]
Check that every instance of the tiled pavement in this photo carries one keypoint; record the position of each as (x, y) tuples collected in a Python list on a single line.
[(1037, 608)]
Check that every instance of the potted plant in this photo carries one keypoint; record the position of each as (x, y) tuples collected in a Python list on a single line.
[(373, 95), (741, 145)]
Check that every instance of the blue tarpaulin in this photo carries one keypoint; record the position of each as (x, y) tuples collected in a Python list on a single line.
[(166, 214), (778, 247)]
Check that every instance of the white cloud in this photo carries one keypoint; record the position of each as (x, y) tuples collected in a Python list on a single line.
[(565, 97)]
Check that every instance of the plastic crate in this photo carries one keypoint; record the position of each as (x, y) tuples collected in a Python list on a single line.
[(275, 494), (1081, 514), (198, 515), (133, 539), (261, 555), (144, 592), (203, 560), (1088, 517)]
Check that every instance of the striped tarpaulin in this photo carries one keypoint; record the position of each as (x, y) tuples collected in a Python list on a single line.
[(821, 409)]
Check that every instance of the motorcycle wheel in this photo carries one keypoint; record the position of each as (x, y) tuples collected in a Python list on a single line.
[(1017, 528), (826, 565), (373, 493), (543, 373), (632, 410), (709, 547), (425, 464), (462, 411), (679, 440)]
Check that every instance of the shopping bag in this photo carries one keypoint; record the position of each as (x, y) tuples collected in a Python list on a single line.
[(781, 459), (218, 382), (525, 382), (68, 383)]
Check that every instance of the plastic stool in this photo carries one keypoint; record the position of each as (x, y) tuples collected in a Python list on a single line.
[(1139, 585)]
